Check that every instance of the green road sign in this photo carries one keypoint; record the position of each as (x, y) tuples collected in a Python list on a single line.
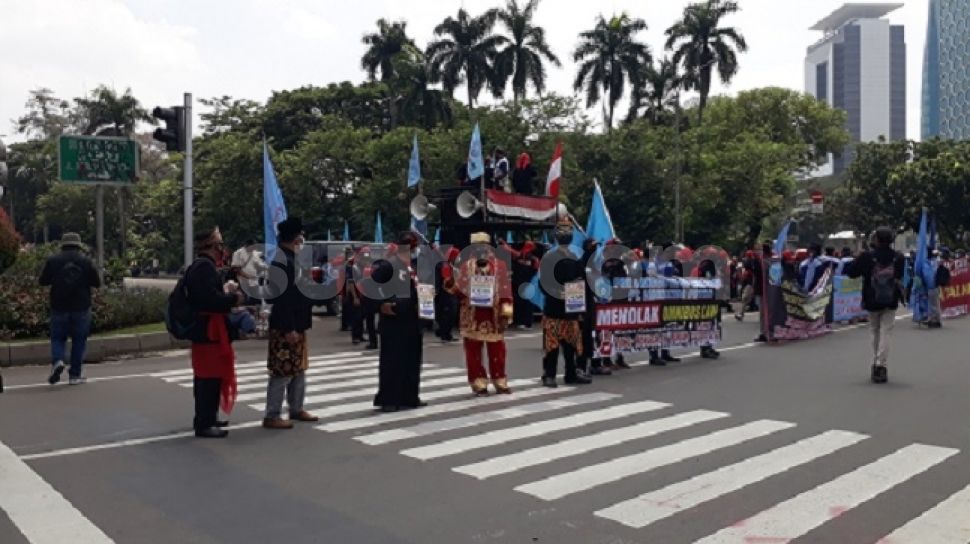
[(96, 159)]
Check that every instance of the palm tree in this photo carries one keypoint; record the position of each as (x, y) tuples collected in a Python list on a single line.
[(383, 46), (105, 113), (525, 48), (699, 43), (467, 53), (657, 94), (611, 56), (419, 103)]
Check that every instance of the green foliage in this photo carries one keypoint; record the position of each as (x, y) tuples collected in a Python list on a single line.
[(25, 310), (521, 60), (464, 52)]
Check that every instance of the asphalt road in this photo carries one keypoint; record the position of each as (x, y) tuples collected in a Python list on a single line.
[(765, 445)]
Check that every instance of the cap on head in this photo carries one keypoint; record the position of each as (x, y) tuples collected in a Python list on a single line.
[(71, 240)]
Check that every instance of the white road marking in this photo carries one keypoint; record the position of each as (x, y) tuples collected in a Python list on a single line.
[(946, 523), (370, 380), (383, 418), (537, 428), (345, 355), (585, 444), (795, 517), (314, 376), (368, 406), (561, 485), (443, 425), (673, 499), (371, 391), (259, 368), (41, 514)]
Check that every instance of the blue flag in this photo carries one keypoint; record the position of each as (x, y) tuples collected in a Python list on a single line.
[(329, 235), (419, 226), (508, 237), (919, 297), (782, 240), (378, 230), (476, 161), (274, 209), (600, 225), (545, 237), (414, 167), (346, 232), (437, 235)]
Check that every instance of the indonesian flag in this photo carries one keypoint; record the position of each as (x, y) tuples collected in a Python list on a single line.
[(555, 172)]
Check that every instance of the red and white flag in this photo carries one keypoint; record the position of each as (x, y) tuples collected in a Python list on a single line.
[(555, 172)]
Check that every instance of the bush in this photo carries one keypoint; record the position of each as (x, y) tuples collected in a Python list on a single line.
[(25, 308), (9, 242)]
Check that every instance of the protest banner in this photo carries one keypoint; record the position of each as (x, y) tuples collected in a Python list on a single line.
[(658, 313), (847, 299), (795, 315), (955, 297)]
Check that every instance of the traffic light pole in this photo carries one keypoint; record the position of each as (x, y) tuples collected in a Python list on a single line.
[(99, 225), (187, 182)]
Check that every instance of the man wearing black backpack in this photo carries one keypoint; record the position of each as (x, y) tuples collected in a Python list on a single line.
[(71, 276), (882, 271)]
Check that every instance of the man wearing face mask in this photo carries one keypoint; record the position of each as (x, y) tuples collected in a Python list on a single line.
[(561, 330), (289, 351), (399, 374), (484, 288)]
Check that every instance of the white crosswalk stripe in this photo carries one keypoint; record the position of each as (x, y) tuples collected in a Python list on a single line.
[(317, 374), (654, 506), (382, 419), (584, 444), (436, 394), (313, 378), (346, 355), (799, 515), (480, 418), (945, 523), (260, 370), (370, 380), (561, 485), (538, 428), (313, 400)]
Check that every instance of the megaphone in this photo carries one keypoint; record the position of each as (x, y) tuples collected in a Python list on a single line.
[(467, 205), (421, 207)]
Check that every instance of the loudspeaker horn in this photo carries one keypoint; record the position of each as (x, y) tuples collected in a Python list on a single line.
[(467, 205), (421, 207)]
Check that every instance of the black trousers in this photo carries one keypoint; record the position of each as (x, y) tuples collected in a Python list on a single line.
[(551, 361), (370, 320), (206, 393), (523, 309), (446, 314), (356, 316), (586, 358)]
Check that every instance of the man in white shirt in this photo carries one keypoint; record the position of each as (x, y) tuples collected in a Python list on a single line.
[(247, 264)]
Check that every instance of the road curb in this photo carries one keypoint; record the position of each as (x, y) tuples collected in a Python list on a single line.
[(98, 349)]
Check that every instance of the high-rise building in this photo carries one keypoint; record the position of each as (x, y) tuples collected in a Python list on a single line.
[(859, 66), (946, 63)]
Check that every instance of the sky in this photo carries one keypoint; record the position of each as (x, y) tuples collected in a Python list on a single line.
[(248, 48)]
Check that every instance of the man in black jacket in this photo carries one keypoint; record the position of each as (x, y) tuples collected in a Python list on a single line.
[(559, 328), (71, 276), (881, 270), (289, 351)]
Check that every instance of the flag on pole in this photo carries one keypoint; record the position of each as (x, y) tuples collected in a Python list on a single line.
[(782, 239), (414, 167), (274, 209), (508, 237), (600, 225), (476, 161), (437, 235), (329, 235), (378, 230), (346, 231), (545, 237), (419, 226), (775, 269), (923, 278), (555, 173)]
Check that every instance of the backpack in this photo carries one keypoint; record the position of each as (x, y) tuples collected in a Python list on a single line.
[(180, 318), (70, 277), (883, 283)]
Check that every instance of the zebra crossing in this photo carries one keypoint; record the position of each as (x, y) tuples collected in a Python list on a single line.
[(495, 438)]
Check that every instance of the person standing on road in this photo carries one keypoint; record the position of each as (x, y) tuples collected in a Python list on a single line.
[(213, 359), (525, 265), (368, 305), (941, 278), (881, 270), (561, 330), (399, 375), (445, 304), (71, 276), (484, 314), (289, 351), (246, 266)]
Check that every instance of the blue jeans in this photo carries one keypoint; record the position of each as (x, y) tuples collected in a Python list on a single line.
[(77, 326)]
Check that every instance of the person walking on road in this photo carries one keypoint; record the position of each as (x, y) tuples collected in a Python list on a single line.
[(213, 359), (881, 270), (71, 276), (399, 375), (289, 351)]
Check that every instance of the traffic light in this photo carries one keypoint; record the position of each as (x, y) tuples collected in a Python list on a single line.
[(173, 135)]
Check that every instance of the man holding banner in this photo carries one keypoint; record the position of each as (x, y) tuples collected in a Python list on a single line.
[(881, 270)]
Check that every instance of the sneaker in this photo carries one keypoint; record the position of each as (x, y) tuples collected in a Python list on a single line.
[(549, 381), (56, 372), (709, 353), (78, 381), (880, 374)]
